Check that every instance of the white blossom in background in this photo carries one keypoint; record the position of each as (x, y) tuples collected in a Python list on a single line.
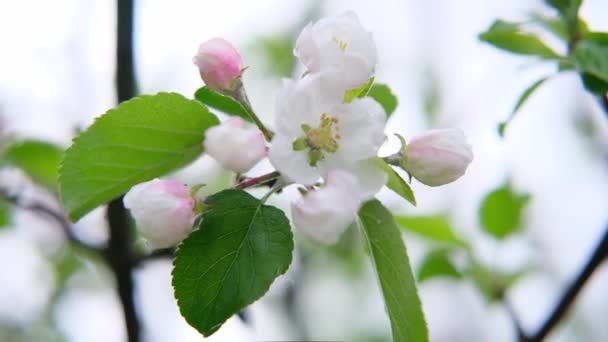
[(235, 144), (437, 157), (316, 132), (219, 65), (324, 214), (163, 211), (339, 43)]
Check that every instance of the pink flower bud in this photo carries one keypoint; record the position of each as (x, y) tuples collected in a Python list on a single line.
[(219, 64), (325, 214), (235, 145), (438, 157), (163, 211)]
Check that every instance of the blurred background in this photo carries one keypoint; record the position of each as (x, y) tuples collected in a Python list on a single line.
[(57, 74)]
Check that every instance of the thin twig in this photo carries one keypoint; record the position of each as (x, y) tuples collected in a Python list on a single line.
[(249, 182), (599, 254), (521, 335), (166, 253), (58, 216)]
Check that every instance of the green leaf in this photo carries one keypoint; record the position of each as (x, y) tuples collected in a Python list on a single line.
[(396, 183), (436, 228), (591, 55), (239, 249), (568, 9), (39, 159), (594, 85), (493, 283), (501, 211), (385, 97), (141, 139), (520, 102), (555, 25), (392, 264), (358, 92), (558, 26), (437, 264), (509, 37), (221, 102), (5, 214)]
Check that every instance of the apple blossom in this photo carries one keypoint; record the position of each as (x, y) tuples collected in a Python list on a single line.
[(339, 43), (219, 64), (316, 132), (235, 145), (437, 157), (163, 211), (324, 214)]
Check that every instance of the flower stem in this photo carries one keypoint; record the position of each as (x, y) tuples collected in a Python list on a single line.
[(394, 159), (250, 182), (241, 97)]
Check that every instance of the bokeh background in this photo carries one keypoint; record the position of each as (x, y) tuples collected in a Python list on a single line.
[(57, 74)]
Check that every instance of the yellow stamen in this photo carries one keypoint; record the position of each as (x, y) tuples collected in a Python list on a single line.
[(341, 43)]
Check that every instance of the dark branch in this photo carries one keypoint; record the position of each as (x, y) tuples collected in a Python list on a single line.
[(57, 216), (600, 254), (166, 253), (521, 335), (119, 254)]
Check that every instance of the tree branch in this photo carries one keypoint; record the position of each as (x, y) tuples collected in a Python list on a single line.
[(599, 254), (57, 216), (249, 182), (521, 335), (119, 254)]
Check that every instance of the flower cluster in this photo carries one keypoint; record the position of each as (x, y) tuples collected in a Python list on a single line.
[(320, 136), (323, 140)]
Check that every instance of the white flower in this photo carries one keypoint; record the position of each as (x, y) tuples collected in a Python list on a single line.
[(339, 43), (317, 133), (235, 145), (325, 214), (163, 211), (219, 65), (438, 157)]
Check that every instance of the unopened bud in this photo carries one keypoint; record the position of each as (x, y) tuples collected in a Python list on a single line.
[(220, 65), (437, 157), (234, 145), (163, 211)]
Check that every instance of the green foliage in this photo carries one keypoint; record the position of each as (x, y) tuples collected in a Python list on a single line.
[(509, 37), (222, 103), (555, 25), (520, 102), (492, 283), (278, 52), (568, 10), (435, 228), (385, 97), (390, 259), (591, 57), (437, 264), (558, 26), (396, 183), (5, 214), (594, 85), (39, 159), (501, 211), (239, 249), (141, 139), (359, 92)]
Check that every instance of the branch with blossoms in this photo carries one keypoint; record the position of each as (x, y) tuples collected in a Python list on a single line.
[(328, 130)]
